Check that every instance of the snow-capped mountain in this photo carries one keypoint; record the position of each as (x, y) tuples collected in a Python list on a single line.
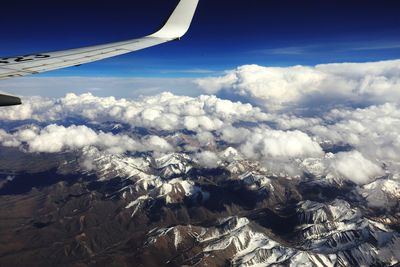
[(246, 243), (168, 209)]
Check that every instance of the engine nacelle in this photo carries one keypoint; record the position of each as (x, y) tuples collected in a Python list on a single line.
[(8, 100)]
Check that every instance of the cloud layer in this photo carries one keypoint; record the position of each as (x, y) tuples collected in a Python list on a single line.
[(55, 138), (354, 144), (316, 87), (161, 112), (214, 124)]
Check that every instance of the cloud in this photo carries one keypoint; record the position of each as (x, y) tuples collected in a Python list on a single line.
[(281, 144), (161, 112), (323, 86), (8, 140), (354, 167), (156, 143), (55, 138), (210, 118), (207, 159), (263, 143), (374, 131), (338, 48)]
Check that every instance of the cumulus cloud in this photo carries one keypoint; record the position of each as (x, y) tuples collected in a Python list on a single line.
[(8, 139), (54, 138), (264, 143), (161, 112), (208, 159), (156, 143), (321, 86), (354, 167), (209, 117), (374, 131)]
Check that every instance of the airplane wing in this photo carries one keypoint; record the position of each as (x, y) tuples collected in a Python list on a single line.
[(175, 27)]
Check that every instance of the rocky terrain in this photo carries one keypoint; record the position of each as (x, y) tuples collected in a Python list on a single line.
[(143, 210)]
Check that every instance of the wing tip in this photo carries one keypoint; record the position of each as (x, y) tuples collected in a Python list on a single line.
[(179, 21)]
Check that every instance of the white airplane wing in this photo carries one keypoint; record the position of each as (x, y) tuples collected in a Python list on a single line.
[(175, 27)]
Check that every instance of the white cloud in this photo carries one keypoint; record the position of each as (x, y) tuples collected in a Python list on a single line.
[(354, 167), (8, 140), (161, 112), (156, 143), (374, 131), (263, 143), (206, 139), (323, 86), (54, 138), (207, 159)]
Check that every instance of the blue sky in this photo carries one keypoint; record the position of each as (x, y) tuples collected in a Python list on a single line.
[(224, 34)]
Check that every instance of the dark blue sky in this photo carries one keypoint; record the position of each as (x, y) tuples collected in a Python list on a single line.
[(224, 33)]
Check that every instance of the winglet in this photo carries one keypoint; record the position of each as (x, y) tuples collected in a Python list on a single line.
[(179, 21)]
